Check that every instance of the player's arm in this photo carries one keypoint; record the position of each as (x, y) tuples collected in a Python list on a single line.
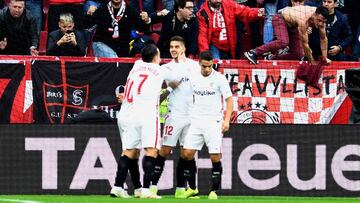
[(170, 87), (229, 110), (305, 42)]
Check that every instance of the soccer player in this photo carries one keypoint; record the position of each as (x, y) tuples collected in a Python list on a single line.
[(138, 120), (209, 89), (177, 120)]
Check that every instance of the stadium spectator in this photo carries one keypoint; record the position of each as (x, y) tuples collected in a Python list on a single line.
[(338, 32), (291, 29), (35, 8), (217, 26), (66, 41), (208, 123), (57, 7), (115, 21), (18, 35), (181, 22), (352, 7)]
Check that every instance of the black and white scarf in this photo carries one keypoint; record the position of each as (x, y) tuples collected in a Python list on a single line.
[(116, 18)]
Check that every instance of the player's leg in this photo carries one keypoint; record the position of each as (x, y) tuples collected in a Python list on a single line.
[(174, 129), (148, 168), (150, 141), (130, 143), (193, 142), (135, 174), (122, 170), (213, 140), (215, 175)]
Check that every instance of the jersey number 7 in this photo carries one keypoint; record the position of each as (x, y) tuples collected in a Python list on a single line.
[(129, 84)]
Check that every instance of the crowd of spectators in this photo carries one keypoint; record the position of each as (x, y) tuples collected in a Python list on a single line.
[(215, 25)]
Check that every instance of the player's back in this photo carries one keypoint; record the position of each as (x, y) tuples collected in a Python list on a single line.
[(142, 88)]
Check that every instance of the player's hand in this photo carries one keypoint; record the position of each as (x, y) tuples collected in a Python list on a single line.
[(120, 97), (334, 50), (174, 84), (225, 127), (182, 57), (3, 44)]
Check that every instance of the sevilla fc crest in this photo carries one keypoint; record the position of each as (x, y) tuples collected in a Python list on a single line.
[(63, 102)]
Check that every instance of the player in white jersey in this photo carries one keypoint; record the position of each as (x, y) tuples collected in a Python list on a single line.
[(210, 89), (177, 120), (138, 120)]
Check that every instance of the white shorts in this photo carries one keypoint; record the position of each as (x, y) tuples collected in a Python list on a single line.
[(139, 133), (204, 131), (175, 128)]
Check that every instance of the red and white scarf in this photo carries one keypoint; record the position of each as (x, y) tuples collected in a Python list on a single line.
[(116, 18)]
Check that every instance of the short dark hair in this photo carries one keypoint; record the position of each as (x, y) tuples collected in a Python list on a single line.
[(148, 53), (178, 39), (322, 11), (205, 55), (180, 4)]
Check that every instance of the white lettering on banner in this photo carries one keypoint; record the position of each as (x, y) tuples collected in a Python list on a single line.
[(49, 148), (50, 94), (96, 149), (245, 165), (99, 149), (339, 165), (318, 181)]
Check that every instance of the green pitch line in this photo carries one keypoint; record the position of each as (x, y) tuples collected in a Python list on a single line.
[(168, 199)]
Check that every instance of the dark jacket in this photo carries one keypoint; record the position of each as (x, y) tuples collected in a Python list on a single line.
[(338, 34), (130, 20), (171, 26), (21, 33), (66, 49)]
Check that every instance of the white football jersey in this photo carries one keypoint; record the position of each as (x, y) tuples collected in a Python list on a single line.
[(208, 95), (143, 87), (180, 98)]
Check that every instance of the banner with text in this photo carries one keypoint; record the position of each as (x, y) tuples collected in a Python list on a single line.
[(64, 89), (275, 96), (296, 160)]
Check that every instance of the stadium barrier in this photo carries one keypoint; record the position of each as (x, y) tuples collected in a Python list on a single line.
[(292, 160), (56, 90)]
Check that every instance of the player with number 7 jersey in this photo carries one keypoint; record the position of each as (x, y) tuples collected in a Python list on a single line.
[(138, 119)]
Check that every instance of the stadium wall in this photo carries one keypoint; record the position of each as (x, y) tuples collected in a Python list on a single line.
[(296, 160)]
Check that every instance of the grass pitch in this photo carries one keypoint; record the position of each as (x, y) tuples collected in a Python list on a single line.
[(168, 199)]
